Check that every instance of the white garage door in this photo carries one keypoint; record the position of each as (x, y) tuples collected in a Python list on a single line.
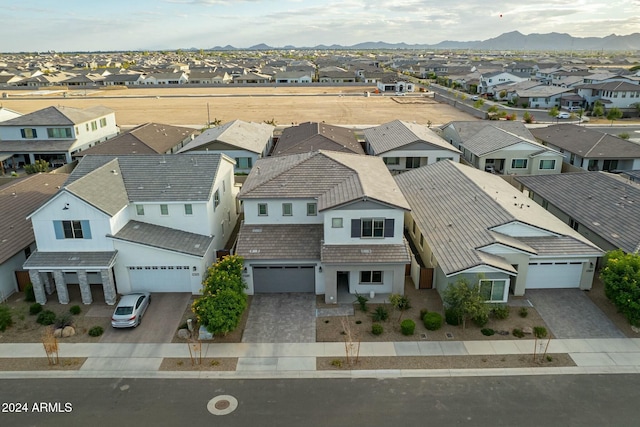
[(554, 274), (165, 278), (284, 278)]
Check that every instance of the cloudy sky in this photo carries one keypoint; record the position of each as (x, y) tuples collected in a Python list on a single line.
[(89, 25)]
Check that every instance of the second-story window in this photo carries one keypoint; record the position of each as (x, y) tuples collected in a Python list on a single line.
[(287, 209), (336, 222), (59, 132), (188, 209), (312, 209), (164, 210), (372, 227), (140, 209), (216, 199), (29, 133), (262, 209)]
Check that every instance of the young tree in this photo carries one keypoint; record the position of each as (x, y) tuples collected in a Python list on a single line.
[(38, 166), (466, 300), (527, 117), (598, 109), (621, 278), (479, 103), (614, 114), (554, 113)]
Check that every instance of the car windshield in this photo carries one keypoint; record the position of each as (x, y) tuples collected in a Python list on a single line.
[(124, 310)]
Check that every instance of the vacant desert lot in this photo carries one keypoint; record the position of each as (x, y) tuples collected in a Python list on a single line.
[(285, 105)]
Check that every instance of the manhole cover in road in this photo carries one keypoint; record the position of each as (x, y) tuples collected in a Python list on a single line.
[(222, 405)]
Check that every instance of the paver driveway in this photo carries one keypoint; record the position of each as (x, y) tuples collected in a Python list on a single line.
[(569, 313), (281, 318)]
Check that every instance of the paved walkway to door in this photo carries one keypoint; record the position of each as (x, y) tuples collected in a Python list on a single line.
[(281, 318), (569, 313)]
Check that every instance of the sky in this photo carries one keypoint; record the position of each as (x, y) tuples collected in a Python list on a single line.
[(120, 25)]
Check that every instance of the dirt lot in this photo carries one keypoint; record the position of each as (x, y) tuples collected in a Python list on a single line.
[(190, 106)]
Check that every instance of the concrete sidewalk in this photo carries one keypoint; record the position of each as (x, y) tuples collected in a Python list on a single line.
[(298, 360)]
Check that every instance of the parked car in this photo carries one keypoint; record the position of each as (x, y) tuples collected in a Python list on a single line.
[(399, 93), (475, 97), (130, 309), (563, 115)]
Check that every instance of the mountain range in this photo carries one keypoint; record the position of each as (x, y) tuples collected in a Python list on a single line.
[(508, 41)]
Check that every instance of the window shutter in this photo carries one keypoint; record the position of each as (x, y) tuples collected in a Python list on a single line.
[(86, 229), (249, 162), (388, 227), (355, 227), (22, 133), (57, 226), (35, 132)]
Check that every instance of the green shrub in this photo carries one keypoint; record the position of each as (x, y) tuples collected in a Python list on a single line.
[(524, 312), (46, 317), (407, 327), (380, 314), (481, 319), (452, 317), (549, 358), (422, 313), (487, 332), (75, 310), (517, 332), (96, 331), (501, 311), (63, 320), (29, 294), (377, 329), (400, 302), (336, 363), (362, 301), (5, 318), (35, 308), (539, 331), (432, 321)]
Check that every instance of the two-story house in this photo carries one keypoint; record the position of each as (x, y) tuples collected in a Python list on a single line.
[(323, 222), (54, 134), (403, 145), (623, 95), (133, 223)]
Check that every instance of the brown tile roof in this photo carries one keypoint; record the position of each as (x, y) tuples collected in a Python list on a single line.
[(280, 241), (312, 136), (344, 254)]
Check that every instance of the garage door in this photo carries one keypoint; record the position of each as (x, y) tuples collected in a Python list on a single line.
[(156, 278), (284, 278), (558, 274)]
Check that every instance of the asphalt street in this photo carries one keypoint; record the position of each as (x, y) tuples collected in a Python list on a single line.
[(567, 400)]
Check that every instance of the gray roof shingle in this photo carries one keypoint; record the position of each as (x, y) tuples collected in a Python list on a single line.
[(467, 130), (58, 116), (367, 254), (398, 134), (280, 241), (164, 238), (234, 135), (312, 136), (71, 260), (492, 138)]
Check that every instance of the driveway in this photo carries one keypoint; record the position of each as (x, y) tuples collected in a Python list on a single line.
[(569, 313), (281, 318), (159, 324)]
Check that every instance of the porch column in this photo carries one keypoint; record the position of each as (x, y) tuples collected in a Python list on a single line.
[(108, 286), (38, 289), (61, 287), (32, 158), (85, 289), (330, 284), (48, 286)]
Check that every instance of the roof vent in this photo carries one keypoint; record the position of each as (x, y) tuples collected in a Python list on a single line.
[(365, 251), (257, 230), (197, 245), (135, 227), (74, 258), (254, 251)]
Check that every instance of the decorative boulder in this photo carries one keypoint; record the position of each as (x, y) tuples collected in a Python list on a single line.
[(184, 334), (527, 330), (57, 333), (203, 334), (68, 331)]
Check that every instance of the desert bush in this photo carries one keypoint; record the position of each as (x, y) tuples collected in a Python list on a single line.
[(501, 311), (5, 318), (63, 320), (96, 331), (75, 310), (524, 312), (362, 302), (481, 319), (377, 329), (407, 327), (336, 363), (432, 321), (400, 302), (452, 317), (35, 308), (517, 332), (29, 294), (380, 314), (539, 331), (46, 317), (487, 332)]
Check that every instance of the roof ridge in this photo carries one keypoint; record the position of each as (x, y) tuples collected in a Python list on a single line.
[(593, 147)]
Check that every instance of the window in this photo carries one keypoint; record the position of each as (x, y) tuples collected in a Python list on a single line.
[(87, 126), (164, 210), (216, 199), (287, 209), (545, 204), (244, 162), (421, 240), (224, 186), (94, 125), (547, 164), (312, 209), (140, 209), (574, 224), (188, 209), (372, 227), (412, 162), (519, 163), (371, 277), (391, 160), (72, 229), (262, 209), (336, 222), (413, 228), (228, 215), (103, 122), (609, 165), (492, 290), (29, 133), (443, 158), (59, 132)]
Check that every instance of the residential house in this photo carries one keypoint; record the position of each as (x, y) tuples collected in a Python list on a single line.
[(313, 136), (603, 207), (54, 134), (209, 77), (149, 138), (590, 149), (177, 78), (336, 77), (293, 77), (542, 96), (17, 200), (403, 145), (467, 224), (245, 142), (136, 79), (252, 78), (133, 223), (623, 95), (502, 147), (324, 222), (392, 83), (491, 79)]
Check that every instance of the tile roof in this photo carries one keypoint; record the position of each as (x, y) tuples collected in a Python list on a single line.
[(344, 254), (73, 260), (19, 199), (398, 134), (164, 238), (613, 86), (149, 138), (558, 245), (587, 143), (312, 136), (111, 198), (237, 135), (467, 130), (491, 138), (280, 241), (604, 203), (58, 116), (456, 207), (35, 145), (332, 177)]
